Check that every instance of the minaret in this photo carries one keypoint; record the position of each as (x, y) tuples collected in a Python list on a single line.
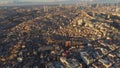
[(76, 2), (59, 6), (45, 7)]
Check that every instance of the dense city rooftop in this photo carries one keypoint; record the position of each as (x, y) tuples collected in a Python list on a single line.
[(60, 36)]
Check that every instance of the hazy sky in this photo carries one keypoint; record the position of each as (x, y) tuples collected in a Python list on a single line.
[(34, 0), (55, 0), (40, 0)]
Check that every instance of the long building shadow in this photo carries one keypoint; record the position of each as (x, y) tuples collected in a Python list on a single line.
[(113, 24), (10, 25)]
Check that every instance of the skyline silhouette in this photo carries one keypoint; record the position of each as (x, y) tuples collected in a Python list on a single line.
[(58, 0), (31, 2)]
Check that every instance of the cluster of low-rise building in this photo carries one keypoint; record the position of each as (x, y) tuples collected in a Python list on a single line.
[(59, 37)]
